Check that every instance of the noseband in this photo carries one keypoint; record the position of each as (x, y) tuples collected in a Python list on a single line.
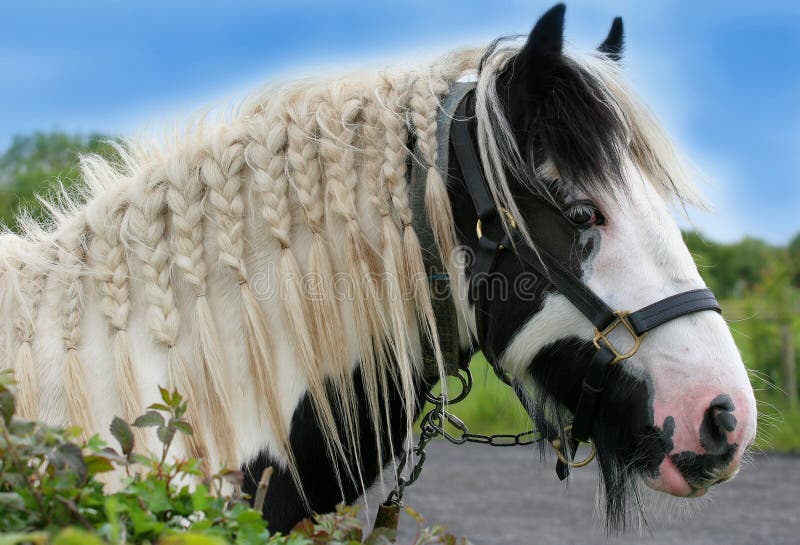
[(494, 219)]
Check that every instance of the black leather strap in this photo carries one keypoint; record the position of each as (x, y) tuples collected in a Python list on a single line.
[(468, 161), (591, 389), (571, 287), (675, 306)]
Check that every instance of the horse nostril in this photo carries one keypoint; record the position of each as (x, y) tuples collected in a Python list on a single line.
[(725, 419), (717, 422)]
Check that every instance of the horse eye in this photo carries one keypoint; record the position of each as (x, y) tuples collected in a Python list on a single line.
[(584, 214)]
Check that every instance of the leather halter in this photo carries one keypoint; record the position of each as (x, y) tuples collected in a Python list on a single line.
[(604, 319)]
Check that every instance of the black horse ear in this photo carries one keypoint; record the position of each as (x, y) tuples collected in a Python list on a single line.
[(614, 43), (532, 72), (547, 36)]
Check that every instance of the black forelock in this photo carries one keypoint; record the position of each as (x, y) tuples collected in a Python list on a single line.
[(561, 111)]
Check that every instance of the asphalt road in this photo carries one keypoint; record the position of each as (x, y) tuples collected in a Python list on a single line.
[(505, 496)]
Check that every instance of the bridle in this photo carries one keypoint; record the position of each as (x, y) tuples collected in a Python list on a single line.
[(563, 281)]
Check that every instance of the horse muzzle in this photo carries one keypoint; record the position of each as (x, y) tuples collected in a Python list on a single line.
[(706, 450)]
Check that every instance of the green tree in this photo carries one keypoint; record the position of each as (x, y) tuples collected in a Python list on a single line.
[(794, 260), (36, 164)]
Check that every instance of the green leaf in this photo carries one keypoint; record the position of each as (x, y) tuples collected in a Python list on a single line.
[(68, 455), (38, 538), (176, 399), (149, 419), (183, 426), (95, 443), (164, 395), (113, 456), (98, 464), (200, 498), (73, 536), (122, 433), (165, 434), (6, 405), (191, 539), (159, 406)]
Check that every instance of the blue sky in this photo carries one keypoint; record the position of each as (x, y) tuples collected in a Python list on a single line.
[(724, 77)]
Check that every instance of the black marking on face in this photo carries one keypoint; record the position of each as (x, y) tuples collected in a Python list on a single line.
[(703, 470), (655, 444), (283, 507)]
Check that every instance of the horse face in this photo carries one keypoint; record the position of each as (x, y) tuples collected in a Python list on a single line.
[(680, 413)]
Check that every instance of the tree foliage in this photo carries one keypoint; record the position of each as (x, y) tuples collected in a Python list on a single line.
[(38, 163)]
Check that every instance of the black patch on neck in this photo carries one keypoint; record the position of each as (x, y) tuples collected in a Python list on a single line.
[(284, 507)]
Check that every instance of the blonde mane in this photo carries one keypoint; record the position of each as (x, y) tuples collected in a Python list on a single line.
[(160, 239)]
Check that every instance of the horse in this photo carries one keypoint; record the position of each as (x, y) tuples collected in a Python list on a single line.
[(282, 267)]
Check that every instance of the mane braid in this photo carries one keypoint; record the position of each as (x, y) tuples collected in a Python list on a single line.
[(70, 258), (424, 105), (29, 295), (393, 194), (108, 261), (337, 118), (185, 201), (221, 170), (147, 228), (305, 176), (401, 314), (265, 153)]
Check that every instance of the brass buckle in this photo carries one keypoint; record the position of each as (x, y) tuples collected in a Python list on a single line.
[(621, 318), (511, 221), (556, 444)]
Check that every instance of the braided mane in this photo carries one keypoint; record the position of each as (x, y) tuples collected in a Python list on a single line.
[(242, 263)]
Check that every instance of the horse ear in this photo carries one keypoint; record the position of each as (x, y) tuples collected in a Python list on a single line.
[(532, 72), (547, 37), (614, 43)]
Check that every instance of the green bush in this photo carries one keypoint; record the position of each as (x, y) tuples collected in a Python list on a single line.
[(51, 490)]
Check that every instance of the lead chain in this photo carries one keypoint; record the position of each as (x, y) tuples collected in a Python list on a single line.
[(435, 424)]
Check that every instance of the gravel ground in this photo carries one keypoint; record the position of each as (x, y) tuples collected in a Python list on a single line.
[(504, 496)]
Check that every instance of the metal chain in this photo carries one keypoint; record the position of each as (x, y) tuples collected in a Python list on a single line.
[(435, 424)]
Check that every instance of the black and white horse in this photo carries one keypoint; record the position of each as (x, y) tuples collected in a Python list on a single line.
[(276, 268)]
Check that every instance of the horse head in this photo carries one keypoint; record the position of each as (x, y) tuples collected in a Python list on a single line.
[(579, 174)]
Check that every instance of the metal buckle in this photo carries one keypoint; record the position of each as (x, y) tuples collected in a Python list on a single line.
[(556, 444), (511, 221), (621, 318)]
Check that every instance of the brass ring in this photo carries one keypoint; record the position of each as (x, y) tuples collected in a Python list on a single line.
[(556, 444), (511, 221)]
